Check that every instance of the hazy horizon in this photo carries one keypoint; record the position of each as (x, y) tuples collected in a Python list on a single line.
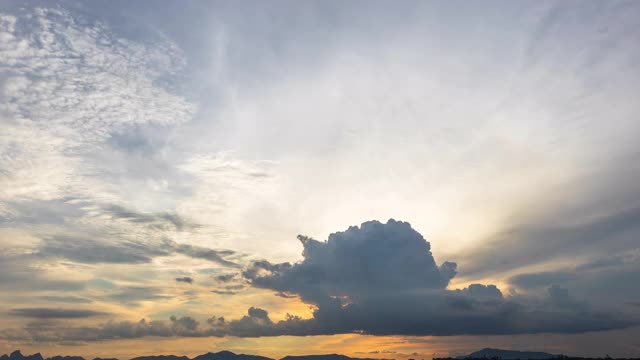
[(291, 177)]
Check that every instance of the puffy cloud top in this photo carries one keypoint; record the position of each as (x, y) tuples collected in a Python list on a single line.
[(359, 262)]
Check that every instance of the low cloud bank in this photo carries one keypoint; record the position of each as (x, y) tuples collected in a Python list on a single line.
[(378, 279)]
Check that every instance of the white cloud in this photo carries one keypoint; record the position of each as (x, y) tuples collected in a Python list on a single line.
[(68, 85)]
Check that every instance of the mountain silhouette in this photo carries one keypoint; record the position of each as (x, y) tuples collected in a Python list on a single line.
[(324, 357), (161, 357), (487, 353), (228, 355), (17, 355), (508, 354)]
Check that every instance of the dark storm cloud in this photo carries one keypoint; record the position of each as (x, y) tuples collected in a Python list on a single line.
[(185, 279), (359, 262), (50, 313), (382, 279)]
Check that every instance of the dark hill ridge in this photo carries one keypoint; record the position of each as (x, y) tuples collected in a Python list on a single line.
[(488, 353), (228, 355), (17, 355), (160, 357), (222, 355), (325, 357)]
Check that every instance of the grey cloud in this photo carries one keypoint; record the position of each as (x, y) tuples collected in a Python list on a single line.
[(66, 299), (410, 316), (17, 273), (378, 279), (43, 211), (285, 295), (483, 291), (93, 251), (224, 292), (359, 262), (198, 252), (539, 241), (132, 295), (226, 277), (158, 220), (229, 289), (185, 279), (558, 293), (99, 251), (258, 313), (388, 270), (603, 280), (176, 326), (51, 313), (234, 287), (541, 279)]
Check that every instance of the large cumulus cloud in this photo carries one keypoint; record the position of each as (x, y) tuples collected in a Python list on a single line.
[(382, 279), (358, 263)]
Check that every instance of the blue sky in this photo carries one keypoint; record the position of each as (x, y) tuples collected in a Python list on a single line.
[(158, 160)]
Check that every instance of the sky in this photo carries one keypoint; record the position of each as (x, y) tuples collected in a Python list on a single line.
[(379, 179)]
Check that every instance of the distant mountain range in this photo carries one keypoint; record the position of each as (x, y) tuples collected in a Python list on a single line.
[(222, 355), (488, 353)]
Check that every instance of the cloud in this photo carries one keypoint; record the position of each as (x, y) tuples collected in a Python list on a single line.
[(176, 326), (99, 251), (159, 220), (377, 279), (547, 239), (185, 279), (540, 279), (199, 252), (68, 84), (66, 299), (604, 279), (225, 278), (382, 279), (17, 273), (224, 292), (132, 295), (359, 262), (120, 251), (51, 313)]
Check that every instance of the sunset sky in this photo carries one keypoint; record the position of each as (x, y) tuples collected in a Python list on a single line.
[(387, 179)]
